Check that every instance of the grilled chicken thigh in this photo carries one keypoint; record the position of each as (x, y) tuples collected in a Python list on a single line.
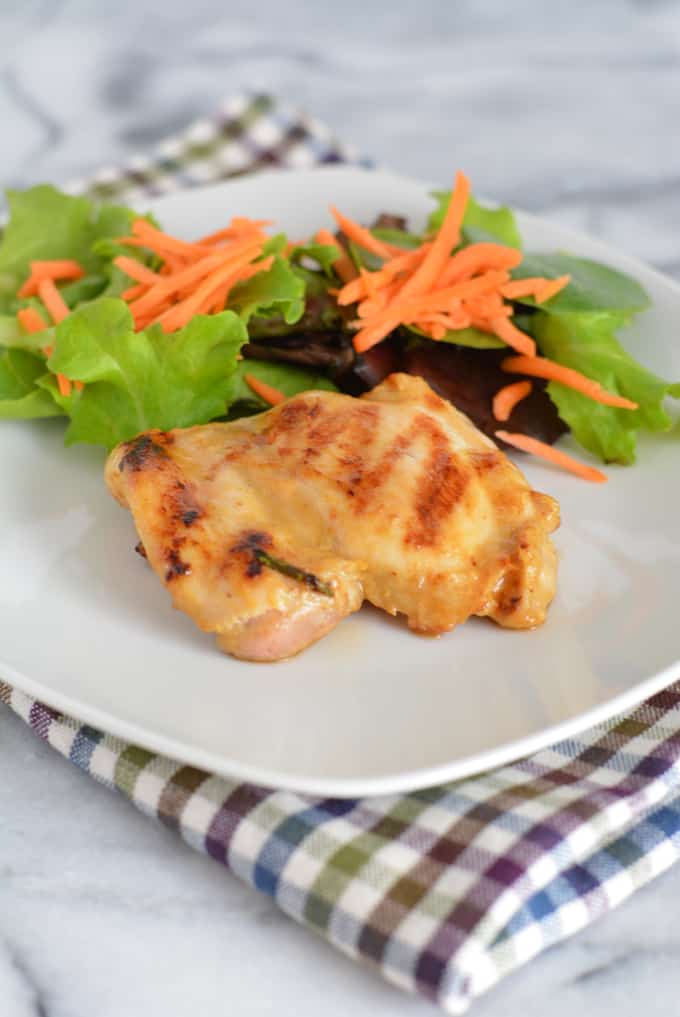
[(270, 529)]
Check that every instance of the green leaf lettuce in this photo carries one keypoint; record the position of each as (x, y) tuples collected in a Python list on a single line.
[(46, 224), (587, 343), (138, 380), (20, 398), (480, 223), (593, 286), (278, 291)]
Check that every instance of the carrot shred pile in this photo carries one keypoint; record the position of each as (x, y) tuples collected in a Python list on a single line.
[(437, 288), (194, 278), (440, 289)]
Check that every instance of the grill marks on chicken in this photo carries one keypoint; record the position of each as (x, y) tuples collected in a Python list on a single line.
[(148, 454), (269, 530)]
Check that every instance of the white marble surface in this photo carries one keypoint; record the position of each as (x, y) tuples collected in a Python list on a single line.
[(567, 109)]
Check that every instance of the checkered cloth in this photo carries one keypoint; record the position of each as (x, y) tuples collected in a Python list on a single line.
[(443, 891)]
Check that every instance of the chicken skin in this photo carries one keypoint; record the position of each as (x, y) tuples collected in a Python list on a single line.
[(268, 530)]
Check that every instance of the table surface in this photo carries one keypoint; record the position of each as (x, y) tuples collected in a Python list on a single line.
[(567, 110)]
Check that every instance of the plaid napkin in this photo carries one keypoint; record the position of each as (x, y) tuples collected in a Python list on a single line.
[(443, 891)]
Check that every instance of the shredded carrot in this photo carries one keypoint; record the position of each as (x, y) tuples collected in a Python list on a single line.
[(541, 367), (188, 252), (488, 306), (356, 289), (360, 235), (53, 300), (399, 311), (31, 320), (158, 294), (63, 384), (371, 289), (444, 242), (64, 269), (479, 258), (227, 274), (552, 455), (371, 335), (133, 292), (508, 397), (244, 225), (326, 238), (61, 269), (523, 288), (456, 319), (58, 310), (371, 306), (435, 330), (513, 336), (437, 288), (267, 392), (430, 287), (136, 270), (158, 241), (540, 289), (220, 294), (441, 300), (343, 266), (238, 227), (172, 263), (551, 288)]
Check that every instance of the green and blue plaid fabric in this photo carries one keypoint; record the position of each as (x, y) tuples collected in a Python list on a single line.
[(443, 891)]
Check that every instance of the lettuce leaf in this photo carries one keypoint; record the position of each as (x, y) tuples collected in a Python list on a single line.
[(20, 398), (593, 286), (45, 224), (279, 291), (400, 238), (480, 223), (10, 332), (137, 380), (370, 261), (323, 255), (587, 343)]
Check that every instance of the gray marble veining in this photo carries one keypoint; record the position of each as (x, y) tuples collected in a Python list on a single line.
[(570, 110)]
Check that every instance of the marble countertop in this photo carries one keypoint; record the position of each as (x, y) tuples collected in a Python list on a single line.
[(567, 110)]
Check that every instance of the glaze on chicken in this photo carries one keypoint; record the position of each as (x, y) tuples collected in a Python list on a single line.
[(268, 530)]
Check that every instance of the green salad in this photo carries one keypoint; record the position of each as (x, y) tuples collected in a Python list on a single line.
[(182, 339)]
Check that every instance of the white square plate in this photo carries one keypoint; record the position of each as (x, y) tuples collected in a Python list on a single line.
[(86, 627)]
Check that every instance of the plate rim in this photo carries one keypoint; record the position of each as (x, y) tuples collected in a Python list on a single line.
[(413, 780), (351, 788)]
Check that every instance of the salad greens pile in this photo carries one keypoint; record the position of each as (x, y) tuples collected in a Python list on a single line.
[(576, 328), (134, 380)]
